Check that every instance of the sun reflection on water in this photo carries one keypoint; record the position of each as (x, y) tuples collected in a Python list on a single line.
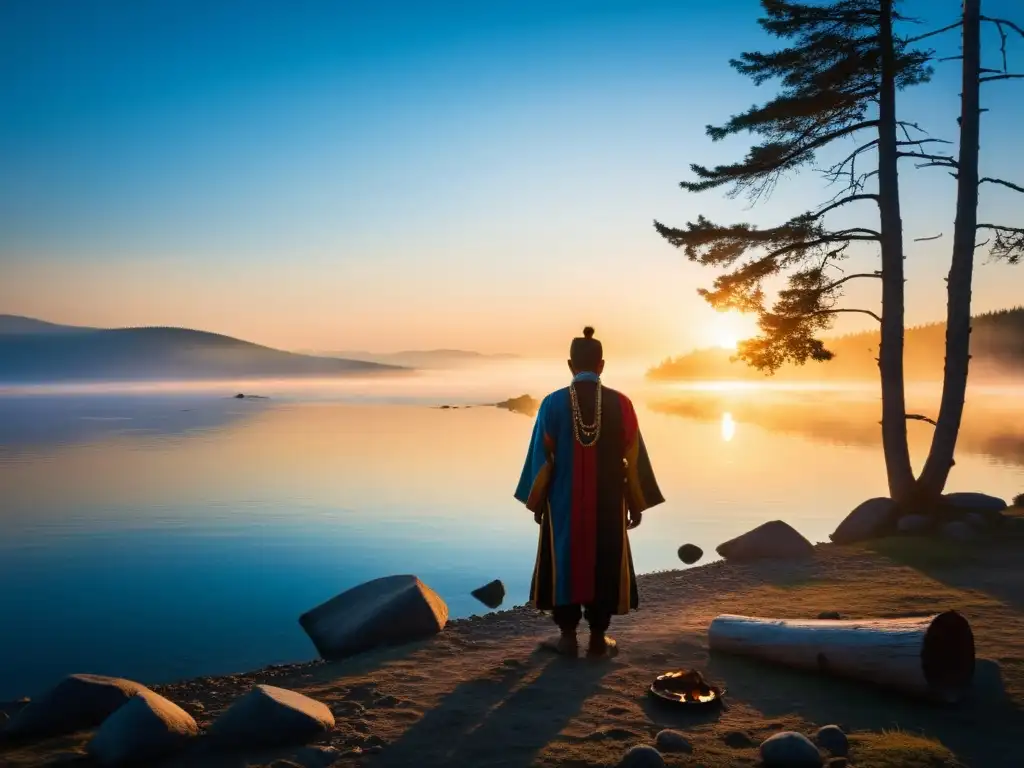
[(728, 427)]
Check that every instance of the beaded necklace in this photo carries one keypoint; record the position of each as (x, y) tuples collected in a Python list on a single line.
[(586, 435)]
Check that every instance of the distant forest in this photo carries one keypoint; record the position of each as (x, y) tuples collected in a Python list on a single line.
[(997, 350)]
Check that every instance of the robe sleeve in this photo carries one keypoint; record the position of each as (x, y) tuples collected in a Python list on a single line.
[(536, 477), (642, 490)]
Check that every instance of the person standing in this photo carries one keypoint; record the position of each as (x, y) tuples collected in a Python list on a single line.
[(588, 480)]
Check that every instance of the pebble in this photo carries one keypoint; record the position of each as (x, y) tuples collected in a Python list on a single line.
[(672, 741), (790, 750), (832, 738), (642, 757), (829, 616), (738, 740)]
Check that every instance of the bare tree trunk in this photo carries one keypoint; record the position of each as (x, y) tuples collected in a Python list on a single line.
[(958, 284), (890, 358)]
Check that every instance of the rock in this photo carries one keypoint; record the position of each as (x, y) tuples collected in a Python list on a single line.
[(317, 757), (832, 738), (269, 716), (738, 740), (642, 757), (829, 616), (690, 553), (774, 539), (492, 595), (240, 396), (869, 520), (387, 611), (913, 524), (147, 728), (790, 750), (974, 502), (672, 741), (838, 762), (957, 530), (74, 704), (977, 520)]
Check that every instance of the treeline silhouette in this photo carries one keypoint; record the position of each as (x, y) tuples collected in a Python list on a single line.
[(997, 350)]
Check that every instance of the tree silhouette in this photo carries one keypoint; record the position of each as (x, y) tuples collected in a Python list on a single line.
[(839, 77), (1006, 242)]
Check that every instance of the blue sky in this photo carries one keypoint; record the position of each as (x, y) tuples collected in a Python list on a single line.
[(404, 174)]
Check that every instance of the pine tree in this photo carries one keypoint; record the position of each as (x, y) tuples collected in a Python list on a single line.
[(839, 76)]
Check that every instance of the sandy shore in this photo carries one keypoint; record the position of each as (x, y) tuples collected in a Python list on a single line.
[(480, 694)]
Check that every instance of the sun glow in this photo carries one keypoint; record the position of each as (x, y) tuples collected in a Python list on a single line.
[(728, 427), (727, 329)]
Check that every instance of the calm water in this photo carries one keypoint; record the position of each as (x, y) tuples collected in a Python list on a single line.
[(165, 533)]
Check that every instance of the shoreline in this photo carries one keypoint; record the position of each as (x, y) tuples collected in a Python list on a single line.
[(480, 694)]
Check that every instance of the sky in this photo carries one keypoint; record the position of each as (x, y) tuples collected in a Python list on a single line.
[(390, 175)]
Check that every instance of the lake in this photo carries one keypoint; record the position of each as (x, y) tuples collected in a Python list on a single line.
[(168, 531)]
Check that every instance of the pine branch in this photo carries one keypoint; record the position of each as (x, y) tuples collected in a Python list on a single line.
[(841, 311), (919, 417), (1004, 22), (848, 278), (991, 78), (935, 160), (1001, 183), (845, 201), (919, 38), (1007, 242), (927, 239)]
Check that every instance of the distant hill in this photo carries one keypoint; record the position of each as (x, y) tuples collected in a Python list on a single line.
[(997, 349), (10, 324), (43, 353), (428, 358)]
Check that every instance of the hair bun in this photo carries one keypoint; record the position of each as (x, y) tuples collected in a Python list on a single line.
[(588, 332)]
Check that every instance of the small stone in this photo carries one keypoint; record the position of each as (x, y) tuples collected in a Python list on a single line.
[(146, 729), (959, 531), (790, 750), (672, 741), (913, 524), (829, 616), (832, 738), (977, 520), (690, 553), (268, 716), (738, 740), (492, 595), (317, 757), (642, 757)]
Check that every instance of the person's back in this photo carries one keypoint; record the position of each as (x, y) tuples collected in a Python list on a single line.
[(587, 479)]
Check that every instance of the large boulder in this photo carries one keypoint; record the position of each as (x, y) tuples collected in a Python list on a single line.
[(869, 520), (74, 704), (790, 750), (269, 716), (974, 502), (146, 729), (389, 611), (774, 539)]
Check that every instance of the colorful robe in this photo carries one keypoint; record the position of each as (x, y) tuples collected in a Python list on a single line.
[(583, 556)]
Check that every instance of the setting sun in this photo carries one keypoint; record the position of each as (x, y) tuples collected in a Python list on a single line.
[(727, 329)]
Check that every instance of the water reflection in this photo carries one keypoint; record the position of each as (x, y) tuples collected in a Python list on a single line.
[(728, 427), (184, 537)]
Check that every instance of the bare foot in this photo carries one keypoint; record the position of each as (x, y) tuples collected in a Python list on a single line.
[(602, 647)]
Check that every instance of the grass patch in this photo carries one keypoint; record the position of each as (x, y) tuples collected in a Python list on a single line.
[(898, 749), (924, 552)]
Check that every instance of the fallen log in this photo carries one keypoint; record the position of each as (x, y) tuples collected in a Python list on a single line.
[(930, 657)]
